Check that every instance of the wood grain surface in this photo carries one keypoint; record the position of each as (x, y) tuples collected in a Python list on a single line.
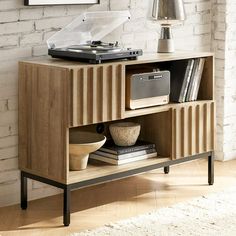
[(193, 128), (44, 107), (98, 94), (57, 96)]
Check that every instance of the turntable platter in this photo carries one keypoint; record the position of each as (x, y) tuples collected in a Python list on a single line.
[(93, 49), (96, 46)]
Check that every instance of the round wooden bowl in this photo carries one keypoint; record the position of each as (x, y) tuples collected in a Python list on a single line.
[(81, 145), (125, 133)]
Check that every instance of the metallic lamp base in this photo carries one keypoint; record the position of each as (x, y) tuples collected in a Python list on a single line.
[(166, 43)]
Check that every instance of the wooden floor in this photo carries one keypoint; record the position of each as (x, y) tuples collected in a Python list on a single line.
[(95, 206)]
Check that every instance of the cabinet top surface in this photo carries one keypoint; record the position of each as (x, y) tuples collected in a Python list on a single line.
[(146, 58)]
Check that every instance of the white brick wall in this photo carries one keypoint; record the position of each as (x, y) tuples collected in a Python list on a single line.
[(218, 45), (229, 118), (224, 35), (23, 32)]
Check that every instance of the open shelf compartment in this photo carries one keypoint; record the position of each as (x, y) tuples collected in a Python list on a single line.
[(206, 89), (155, 128)]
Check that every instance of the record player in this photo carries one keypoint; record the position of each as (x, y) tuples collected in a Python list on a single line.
[(81, 39)]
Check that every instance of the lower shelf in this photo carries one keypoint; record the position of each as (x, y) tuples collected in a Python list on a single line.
[(100, 169)]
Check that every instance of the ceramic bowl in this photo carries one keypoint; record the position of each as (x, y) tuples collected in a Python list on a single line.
[(81, 145), (125, 133)]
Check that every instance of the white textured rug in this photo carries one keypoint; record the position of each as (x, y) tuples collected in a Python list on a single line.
[(213, 215)]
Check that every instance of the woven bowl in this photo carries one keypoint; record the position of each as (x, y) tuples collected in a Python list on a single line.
[(125, 133)]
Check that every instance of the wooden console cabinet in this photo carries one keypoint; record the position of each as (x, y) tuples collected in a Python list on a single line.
[(57, 97)]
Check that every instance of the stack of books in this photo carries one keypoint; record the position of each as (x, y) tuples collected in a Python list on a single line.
[(185, 79), (116, 155)]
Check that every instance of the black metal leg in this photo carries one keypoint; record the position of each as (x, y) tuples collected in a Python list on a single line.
[(211, 169), (166, 169), (23, 188), (66, 210)]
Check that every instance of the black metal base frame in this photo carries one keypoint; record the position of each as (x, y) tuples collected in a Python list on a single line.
[(68, 187)]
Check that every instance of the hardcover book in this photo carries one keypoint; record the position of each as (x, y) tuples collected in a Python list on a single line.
[(120, 162), (110, 147), (125, 155)]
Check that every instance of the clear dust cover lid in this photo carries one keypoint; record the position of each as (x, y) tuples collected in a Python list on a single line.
[(88, 27)]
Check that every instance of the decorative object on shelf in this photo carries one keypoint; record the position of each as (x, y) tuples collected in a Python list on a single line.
[(59, 2), (168, 13), (81, 145), (125, 133)]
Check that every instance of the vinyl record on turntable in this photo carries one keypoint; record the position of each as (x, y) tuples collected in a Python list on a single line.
[(97, 46)]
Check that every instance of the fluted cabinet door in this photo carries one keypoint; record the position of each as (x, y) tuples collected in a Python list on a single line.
[(98, 94), (193, 128)]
